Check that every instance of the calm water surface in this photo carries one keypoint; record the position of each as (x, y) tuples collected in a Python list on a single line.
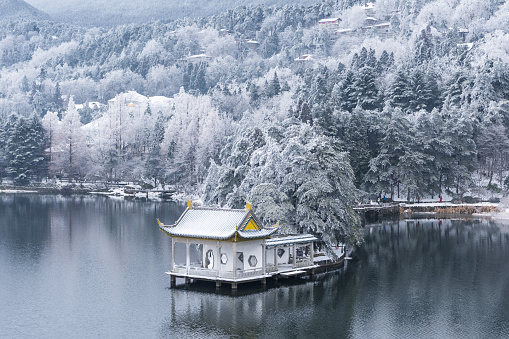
[(92, 267)]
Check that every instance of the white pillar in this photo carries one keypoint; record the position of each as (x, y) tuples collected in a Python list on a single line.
[(172, 264), (264, 258), (275, 257), (217, 260), (312, 253), (188, 257), (234, 249), (294, 255)]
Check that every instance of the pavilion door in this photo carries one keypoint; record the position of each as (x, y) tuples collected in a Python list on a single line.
[(240, 261)]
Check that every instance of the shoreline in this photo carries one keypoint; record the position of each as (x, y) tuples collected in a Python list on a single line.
[(127, 192), (448, 208)]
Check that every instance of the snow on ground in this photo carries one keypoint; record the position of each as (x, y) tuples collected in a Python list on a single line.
[(17, 191)]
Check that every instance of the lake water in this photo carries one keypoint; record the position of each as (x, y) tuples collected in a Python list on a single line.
[(93, 267)]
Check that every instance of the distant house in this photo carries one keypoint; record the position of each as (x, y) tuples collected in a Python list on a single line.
[(465, 46), (198, 58), (383, 28), (330, 23), (463, 32), (136, 102), (369, 8), (225, 32), (370, 20), (252, 44), (345, 31), (304, 58), (130, 99)]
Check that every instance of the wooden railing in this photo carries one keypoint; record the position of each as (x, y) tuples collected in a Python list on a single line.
[(205, 272), (304, 263)]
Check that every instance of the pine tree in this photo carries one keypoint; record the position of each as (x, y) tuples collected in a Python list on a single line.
[(325, 121), (305, 114), (366, 89), (383, 63), (385, 174), (153, 164), (57, 98), (371, 59), (25, 150), (254, 95), (424, 48), (357, 145), (454, 90), (274, 87), (399, 95), (420, 93), (349, 92)]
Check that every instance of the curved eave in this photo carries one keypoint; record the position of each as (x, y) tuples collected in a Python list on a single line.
[(263, 233), (241, 235)]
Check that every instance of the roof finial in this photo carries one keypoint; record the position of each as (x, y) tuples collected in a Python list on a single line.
[(190, 204), (248, 206)]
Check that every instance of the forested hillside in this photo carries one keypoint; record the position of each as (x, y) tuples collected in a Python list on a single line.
[(117, 12), (19, 9), (403, 98)]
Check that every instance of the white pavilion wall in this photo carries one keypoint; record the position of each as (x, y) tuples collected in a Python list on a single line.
[(253, 247), (249, 248)]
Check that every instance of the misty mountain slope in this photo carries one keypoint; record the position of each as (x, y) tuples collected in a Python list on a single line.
[(16, 9), (110, 13)]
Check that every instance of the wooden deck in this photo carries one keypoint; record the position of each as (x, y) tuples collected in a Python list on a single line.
[(284, 272)]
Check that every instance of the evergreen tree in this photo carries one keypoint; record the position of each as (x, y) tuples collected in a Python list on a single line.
[(57, 98), (305, 114), (424, 48), (349, 96), (25, 150), (357, 145), (383, 63), (385, 174), (254, 95), (420, 93), (325, 121), (398, 92), (366, 89), (153, 164), (454, 91), (25, 86), (274, 87)]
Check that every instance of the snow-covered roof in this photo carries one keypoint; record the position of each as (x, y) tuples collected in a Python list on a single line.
[(198, 57), (218, 224), (344, 30), (369, 5), (159, 100), (329, 21), (304, 57), (130, 96), (468, 46), (291, 239)]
